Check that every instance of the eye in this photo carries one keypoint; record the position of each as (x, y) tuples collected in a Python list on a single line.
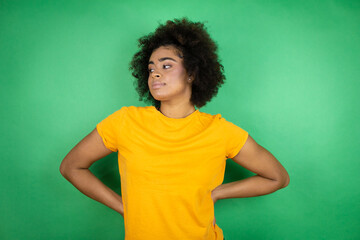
[(151, 70), (166, 66)]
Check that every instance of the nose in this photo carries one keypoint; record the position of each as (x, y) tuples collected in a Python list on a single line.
[(155, 75)]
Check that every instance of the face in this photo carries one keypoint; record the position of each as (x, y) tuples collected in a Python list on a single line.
[(168, 79)]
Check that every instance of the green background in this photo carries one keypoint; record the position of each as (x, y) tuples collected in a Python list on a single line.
[(293, 73)]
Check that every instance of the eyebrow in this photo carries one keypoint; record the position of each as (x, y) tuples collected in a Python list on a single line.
[(163, 59)]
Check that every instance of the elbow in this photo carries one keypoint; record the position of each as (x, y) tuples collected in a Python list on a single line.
[(68, 168), (285, 180), (282, 180), (63, 168), (286, 183)]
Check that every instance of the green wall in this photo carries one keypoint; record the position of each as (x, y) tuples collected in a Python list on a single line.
[(293, 73)]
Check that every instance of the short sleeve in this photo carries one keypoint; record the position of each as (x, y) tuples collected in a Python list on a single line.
[(110, 128), (235, 137)]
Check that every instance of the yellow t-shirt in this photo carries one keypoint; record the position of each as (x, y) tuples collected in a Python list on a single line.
[(168, 168)]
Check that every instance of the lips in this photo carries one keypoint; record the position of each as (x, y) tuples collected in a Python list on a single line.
[(157, 85)]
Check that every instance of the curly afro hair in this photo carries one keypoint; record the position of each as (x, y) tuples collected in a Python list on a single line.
[(200, 59)]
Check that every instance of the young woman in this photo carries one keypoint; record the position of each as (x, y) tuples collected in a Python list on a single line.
[(172, 156)]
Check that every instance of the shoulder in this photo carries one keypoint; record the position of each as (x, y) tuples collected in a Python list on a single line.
[(228, 126), (137, 111), (133, 109), (218, 117), (209, 115), (208, 119)]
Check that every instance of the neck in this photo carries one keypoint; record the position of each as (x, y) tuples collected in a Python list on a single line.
[(177, 111)]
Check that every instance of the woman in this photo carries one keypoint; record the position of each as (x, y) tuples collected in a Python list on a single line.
[(172, 156)]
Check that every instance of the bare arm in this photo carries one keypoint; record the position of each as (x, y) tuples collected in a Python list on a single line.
[(271, 175), (75, 168)]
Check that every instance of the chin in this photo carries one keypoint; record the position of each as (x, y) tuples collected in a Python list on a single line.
[(159, 98)]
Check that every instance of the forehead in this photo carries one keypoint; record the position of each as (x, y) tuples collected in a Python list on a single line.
[(165, 51)]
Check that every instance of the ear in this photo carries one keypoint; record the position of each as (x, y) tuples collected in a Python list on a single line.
[(190, 79), (192, 75)]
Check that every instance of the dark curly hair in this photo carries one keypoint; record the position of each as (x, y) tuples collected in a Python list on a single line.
[(199, 53)]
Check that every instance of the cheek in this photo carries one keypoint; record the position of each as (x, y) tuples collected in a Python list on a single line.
[(182, 70), (179, 73)]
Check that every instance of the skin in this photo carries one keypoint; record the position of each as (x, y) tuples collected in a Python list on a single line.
[(175, 103), (166, 66)]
